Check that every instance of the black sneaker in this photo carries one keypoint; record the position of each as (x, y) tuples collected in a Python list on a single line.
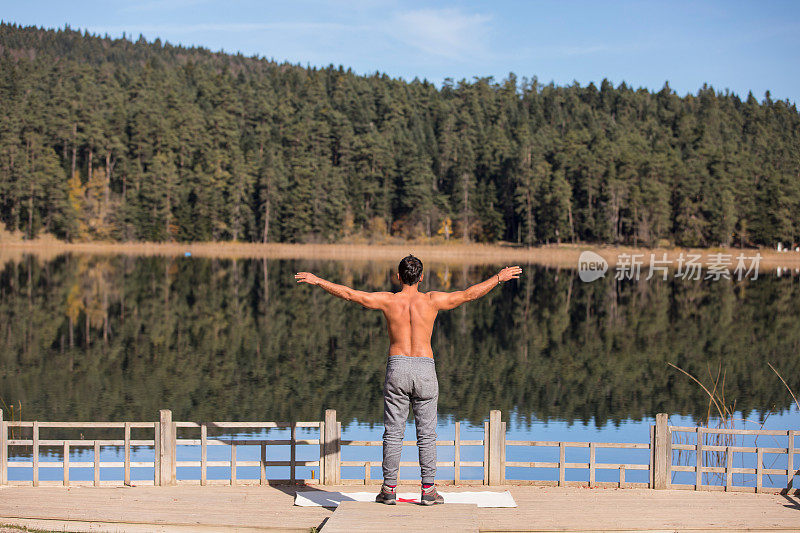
[(387, 495), (430, 496)]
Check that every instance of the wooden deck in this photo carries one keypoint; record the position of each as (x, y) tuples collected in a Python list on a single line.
[(185, 508)]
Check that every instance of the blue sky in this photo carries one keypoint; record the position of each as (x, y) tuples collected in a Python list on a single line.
[(737, 45)]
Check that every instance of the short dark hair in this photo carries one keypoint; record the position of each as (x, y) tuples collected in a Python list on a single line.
[(410, 269)]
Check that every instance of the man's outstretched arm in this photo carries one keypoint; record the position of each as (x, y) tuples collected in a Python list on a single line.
[(450, 300), (370, 300)]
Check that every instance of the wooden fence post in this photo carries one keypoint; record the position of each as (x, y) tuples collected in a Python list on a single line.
[(127, 462), (790, 471), (662, 452), (652, 460), (166, 447), (698, 474), (457, 455), (3, 451), (331, 472), (35, 439), (157, 453), (495, 448)]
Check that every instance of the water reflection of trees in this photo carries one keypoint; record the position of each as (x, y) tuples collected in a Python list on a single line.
[(86, 337)]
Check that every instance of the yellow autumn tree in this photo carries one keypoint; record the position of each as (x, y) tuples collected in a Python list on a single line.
[(77, 200), (446, 228)]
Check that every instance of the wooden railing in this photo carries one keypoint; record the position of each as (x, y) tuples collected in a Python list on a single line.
[(204, 441), (328, 452), (35, 443), (721, 455), (457, 443)]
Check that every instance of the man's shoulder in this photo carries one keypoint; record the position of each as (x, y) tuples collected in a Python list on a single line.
[(432, 296), (382, 294)]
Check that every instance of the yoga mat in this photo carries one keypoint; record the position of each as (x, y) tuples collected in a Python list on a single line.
[(319, 498)]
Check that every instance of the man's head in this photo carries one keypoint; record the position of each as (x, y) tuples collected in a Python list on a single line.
[(410, 270)]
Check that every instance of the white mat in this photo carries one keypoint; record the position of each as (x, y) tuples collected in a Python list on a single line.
[(318, 498)]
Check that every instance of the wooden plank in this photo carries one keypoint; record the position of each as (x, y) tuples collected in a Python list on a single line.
[(321, 451), (65, 465), (96, 461), (127, 467), (119, 425), (495, 442), (332, 444), (561, 460), (622, 476), (262, 466), (623, 445), (256, 425), (173, 446), (167, 447), (233, 464), (652, 461), (661, 473), (376, 463), (737, 449), (255, 464), (103, 442), (244, 442), (592, 465), (790, 472), (762, 432), (366, 473), (503, 453), (3, 450), (338, 452), (293, 454), (457, 454), (698, 477), (157, 455), (552, 443), (616, 466), (357, 517), (555, 444), (35, 453), (728, 467), (759, 469), (486, 453), (203, 453)]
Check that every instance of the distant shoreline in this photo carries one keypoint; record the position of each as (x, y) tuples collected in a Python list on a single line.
[(560, 256)]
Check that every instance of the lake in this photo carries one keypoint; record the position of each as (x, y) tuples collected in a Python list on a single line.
[(115, 337)]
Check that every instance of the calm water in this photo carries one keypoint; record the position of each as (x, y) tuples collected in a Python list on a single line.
[(118, 338)]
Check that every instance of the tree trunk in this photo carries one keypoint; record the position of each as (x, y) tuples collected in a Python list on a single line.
[(571, 226), (31, 165), (529, 217), (74, 148), (30, 213), (266, 218), (107, 189), (465, 179)]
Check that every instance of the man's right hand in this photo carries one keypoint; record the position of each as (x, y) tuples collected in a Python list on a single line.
[(509, 273)]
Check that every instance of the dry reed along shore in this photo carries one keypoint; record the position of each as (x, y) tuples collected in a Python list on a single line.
[(556, 256)]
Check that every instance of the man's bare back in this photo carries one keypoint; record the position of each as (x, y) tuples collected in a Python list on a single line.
[(410, 314)]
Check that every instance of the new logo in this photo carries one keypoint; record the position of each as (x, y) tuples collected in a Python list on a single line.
[(591, 266)]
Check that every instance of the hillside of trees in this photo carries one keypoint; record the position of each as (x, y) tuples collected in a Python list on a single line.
[(111, 139)]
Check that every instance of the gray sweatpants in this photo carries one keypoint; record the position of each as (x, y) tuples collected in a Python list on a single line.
[(409, 379)]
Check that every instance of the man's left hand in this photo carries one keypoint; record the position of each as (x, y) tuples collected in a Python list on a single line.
[(306, 277)]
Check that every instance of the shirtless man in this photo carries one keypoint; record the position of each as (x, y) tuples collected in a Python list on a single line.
[(410, 370)]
